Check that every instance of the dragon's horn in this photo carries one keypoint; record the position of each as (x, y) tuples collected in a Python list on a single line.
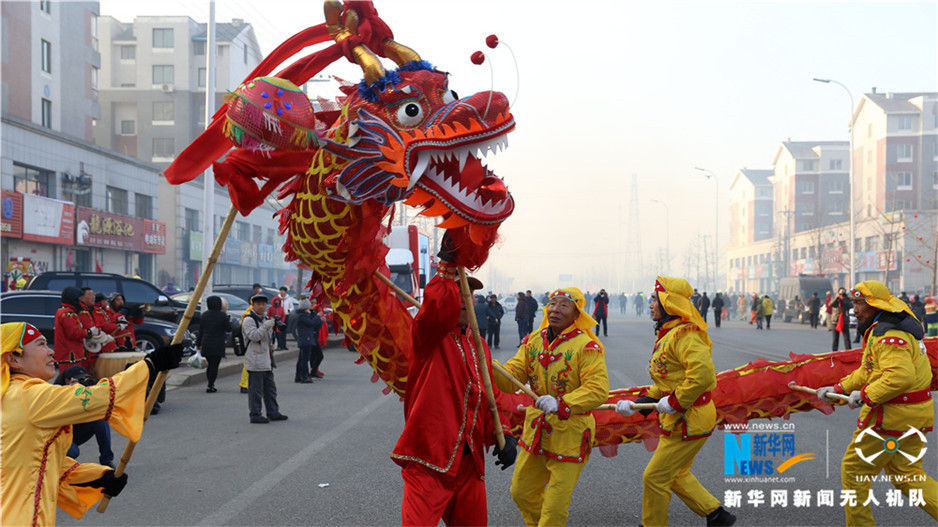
[(399, 53), (369, 62)]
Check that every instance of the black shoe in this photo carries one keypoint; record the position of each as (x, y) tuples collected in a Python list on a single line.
[(303, 381), (316, 376), (278, 417), (154, 411), (244, 390), (211, 389), (260, 419), (720, 518)]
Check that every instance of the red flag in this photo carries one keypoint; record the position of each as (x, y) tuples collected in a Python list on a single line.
[(98, 268)]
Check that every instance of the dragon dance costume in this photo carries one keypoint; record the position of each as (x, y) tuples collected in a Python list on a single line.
[(893, 381), (35, 473), (447, 421), (555, 447)]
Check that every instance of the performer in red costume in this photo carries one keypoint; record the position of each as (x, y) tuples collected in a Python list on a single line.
[(447, 420)]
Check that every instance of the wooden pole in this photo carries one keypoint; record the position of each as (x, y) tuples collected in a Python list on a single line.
[(636, 406), (177, 339), (495, 366), (480, 354), (806, 389)]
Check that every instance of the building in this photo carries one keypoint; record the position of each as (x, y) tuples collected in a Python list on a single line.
[(67, 203)]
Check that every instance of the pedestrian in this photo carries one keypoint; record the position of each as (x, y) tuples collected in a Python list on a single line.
[(71, 332), (917, 307), (704, 306), (717, 309), (814, 309), (277, 313), (841, 307), (82, 432), (521, 316), (829, 312), (742, 306), (758, 308), (892, 387), (559, 428), (308, 325), (931, 316), (447, 422), (623, 302), (768, 309), (214, 326), (258, 334), (481, 309), (288, 306), (171, 289), (35, 474), (494, 313), (683, 374), (532, 311), (601, 311), (639, 303)]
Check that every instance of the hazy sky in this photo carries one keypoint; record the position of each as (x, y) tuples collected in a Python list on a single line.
[(612, 89)]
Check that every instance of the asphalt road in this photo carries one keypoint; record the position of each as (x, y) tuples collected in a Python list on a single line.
[(200, 462)]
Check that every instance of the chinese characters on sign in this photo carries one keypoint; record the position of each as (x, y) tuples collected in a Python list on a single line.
[(112, 231)]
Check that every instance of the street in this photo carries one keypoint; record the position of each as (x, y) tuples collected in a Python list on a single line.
[(200, 462)]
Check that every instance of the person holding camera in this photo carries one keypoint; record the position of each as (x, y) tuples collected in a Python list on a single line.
[(258, 361), (841, 306), (278, 314), (36, 475)]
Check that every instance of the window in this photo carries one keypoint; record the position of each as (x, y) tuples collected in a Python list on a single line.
[(270, 236), (836, 164), (869, 130), (192, 220), (128, 52), (46, 113), (804, 187), (94, 32), (809, 164), (835, 187), (46, 53), (903, 181), (257, 234), (198, 47), (32, 180), (244, 231), (164, 111), (45, 6), (220, 50), (94, 78), (904, 122), (934, 179), (115, 200), (164, 148), (163, 38), (162, 74), (904, 152), (200, 113), (143, 205), (128, 127), (201, 77)]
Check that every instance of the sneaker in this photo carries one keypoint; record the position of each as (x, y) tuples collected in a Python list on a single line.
[(259, 419), (278, 417), (211, 389), (720, 518)]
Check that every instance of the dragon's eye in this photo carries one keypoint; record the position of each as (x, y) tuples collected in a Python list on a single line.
[(450, 96), (410, 114)]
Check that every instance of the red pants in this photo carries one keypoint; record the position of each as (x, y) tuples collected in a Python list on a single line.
[(430, 496)]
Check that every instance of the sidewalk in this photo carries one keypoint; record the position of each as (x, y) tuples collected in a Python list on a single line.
[(185, 375)]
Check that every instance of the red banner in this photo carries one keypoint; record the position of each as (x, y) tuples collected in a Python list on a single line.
[(154, 237), (11, 217)]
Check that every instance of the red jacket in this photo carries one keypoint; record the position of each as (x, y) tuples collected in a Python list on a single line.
[(70, 335), (106, 324), (444, 402), (121, 335)]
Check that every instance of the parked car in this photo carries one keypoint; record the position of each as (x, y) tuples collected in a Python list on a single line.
[(236, 308), (38, 308), (244, 291), (135, 291)]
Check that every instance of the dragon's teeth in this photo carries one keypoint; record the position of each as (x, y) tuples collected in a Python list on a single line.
[(463, 156), (423, 161)]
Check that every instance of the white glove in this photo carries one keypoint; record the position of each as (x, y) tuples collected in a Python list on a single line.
[(269, 323), (95, 331), (624, 407), (122, 320), (664, 407), (856, 399), (823, 391), (547, 404)]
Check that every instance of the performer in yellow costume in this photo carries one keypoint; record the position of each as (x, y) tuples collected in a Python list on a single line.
[(683, 375), (565, 365), (892, 385), (35, 432)]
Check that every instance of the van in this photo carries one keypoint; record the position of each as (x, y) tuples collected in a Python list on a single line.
[(793, 295)]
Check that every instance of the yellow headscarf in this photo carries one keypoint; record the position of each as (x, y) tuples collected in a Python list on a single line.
[(876, 294), (583, 322), (13, 335), (674, 296)]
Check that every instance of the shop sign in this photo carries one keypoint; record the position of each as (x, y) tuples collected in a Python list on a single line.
[(111, 231), (195, 246), (154, 237), (11, 215), (48, 220)]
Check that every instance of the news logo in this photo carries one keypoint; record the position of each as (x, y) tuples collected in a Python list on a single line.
[(760, 454)]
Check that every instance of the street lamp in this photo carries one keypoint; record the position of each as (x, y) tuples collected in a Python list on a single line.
[(667, 216), (853, 225), (716, 233)]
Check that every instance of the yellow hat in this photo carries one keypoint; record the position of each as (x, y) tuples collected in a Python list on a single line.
[(584, 322), (874, 293), (13, 336), (674, 296)]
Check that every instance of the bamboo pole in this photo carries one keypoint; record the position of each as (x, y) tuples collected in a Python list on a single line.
[(495, 366), (177, 339), (636, 406), (806, 389)]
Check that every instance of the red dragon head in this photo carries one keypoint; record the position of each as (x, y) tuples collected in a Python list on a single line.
[(405, 135)]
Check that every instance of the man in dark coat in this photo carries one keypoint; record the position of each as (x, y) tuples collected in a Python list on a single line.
[(601, 311), (814, 309), (521, 316), (704, 306), (494, 313), (214, 326), (717, 309)]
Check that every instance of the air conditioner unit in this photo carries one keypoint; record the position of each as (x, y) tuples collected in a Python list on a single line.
[(167, 88)]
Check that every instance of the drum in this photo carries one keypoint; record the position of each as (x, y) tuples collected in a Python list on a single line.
[(110, 363)]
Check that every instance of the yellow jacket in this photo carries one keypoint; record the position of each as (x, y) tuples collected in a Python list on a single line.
[(768, 306), (36, 432), (572, 368), (894, 363), (681, 366)]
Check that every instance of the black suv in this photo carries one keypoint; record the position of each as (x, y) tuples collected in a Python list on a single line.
[(245, 291), (38, 308), (135, 291)]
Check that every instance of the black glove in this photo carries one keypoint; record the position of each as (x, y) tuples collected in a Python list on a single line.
[(646, 399), (447, 249), (166, 358), (112, 486), (506, 456)]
